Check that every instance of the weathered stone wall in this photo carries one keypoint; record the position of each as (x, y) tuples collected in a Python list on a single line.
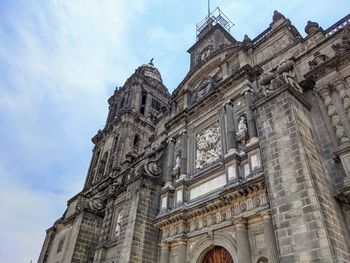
[(88, 237), (318, 152), (298, 221), (138, 241)]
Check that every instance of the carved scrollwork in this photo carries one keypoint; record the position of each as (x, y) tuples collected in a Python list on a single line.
[(273, 80), (204, 87), (152, 166)]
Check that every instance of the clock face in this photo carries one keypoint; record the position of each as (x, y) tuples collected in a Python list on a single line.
[(205, 53)]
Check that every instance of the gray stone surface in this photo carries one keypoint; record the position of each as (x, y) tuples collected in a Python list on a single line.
[(276, 189)]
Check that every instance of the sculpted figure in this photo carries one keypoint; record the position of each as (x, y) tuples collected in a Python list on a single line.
[(242, 124), (177, 162)]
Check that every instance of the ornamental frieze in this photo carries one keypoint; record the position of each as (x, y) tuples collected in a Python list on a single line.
[(245, 201)]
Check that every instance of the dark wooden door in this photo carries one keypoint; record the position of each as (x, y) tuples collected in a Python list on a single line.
[(218, 255)]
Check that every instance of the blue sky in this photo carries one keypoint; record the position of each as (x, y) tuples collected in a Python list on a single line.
[(60, 60)]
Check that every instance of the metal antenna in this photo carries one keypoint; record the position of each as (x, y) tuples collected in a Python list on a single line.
[(208, 9)]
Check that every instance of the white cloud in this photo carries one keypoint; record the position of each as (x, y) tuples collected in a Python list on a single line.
[(61, 61)]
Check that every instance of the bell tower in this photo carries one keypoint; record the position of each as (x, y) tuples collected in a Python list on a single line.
[(134, 110)]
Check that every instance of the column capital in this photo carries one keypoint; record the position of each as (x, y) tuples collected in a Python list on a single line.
[(182, 242), (247, 89), (266, 214), (184, 131), (339, 82), (241, 223), (228, 102), (323, 90), (170, 140), (165, 245)]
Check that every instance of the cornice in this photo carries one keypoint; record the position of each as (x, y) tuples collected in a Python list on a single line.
[(227, 197)]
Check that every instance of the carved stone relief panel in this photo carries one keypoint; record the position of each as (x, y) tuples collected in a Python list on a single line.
[(208, 145)]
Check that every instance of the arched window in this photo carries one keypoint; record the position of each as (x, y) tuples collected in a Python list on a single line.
[(143, 102), (262, 260), (136, 141), (92, 177), (102, 166)]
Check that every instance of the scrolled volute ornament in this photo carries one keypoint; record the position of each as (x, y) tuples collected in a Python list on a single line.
[(153, 166), (286, 70), (265, 82)]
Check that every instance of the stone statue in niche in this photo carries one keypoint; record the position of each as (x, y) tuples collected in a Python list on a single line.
[(208, 145), (242, 124), (177, 162), (119, 223)]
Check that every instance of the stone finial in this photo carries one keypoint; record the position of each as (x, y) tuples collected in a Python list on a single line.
[(276, 16), (247, 41), (311, 27)]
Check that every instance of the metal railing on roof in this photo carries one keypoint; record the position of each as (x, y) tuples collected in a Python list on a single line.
[(215, 17), (337, 26)]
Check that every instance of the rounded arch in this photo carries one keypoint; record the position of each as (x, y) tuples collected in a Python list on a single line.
[(262, 260), (102, 165), (200, 250)]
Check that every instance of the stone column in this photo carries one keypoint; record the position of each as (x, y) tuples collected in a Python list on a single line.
[(324, 93), (344, 96), (243, 245), (344, 154), (184, 149), (170, 162), (164, 253), (250, 115), (230, 128), (270, 240), (182, 251)]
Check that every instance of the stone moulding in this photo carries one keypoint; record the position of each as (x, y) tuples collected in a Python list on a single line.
[(231, 204)]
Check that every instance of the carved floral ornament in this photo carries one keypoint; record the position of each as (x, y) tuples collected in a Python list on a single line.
[(203, 88), (273, 80), (205, 53), (208, 145)]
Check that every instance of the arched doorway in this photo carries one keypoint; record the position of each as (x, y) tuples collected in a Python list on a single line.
[(218, 255)]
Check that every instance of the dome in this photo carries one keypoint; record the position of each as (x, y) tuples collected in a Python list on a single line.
[(150, 70)]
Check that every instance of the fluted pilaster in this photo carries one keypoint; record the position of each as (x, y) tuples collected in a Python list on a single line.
[(270, 240), (250, 114), (170, 162), (230, 128), (182, 250), (340, 87), (164, 253), (243, 245), (184, 149)]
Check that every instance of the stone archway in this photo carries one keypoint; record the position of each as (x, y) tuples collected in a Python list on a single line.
[(203, 247), (218, 255)]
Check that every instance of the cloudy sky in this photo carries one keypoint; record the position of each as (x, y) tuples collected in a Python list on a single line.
[(59, 62)]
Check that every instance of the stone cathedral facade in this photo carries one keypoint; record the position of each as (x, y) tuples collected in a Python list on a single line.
[(247, 161)]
